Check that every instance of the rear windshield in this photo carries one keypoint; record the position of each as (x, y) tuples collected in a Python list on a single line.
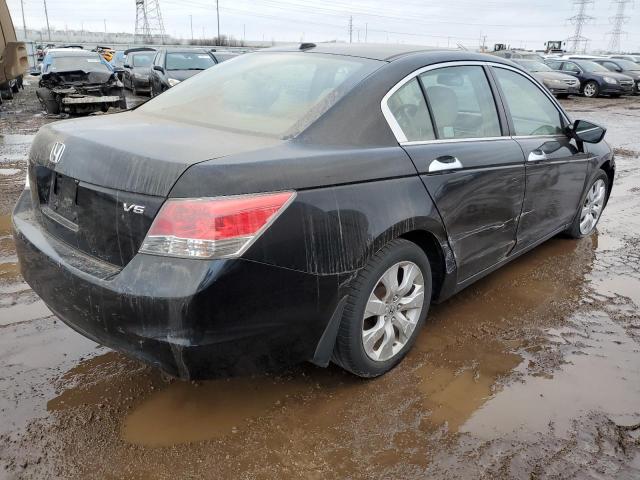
[(86, 64), (533, 66), (275, 94), (189, 61)]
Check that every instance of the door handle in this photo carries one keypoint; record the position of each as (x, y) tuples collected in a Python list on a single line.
[(445, 162), (537, 155)]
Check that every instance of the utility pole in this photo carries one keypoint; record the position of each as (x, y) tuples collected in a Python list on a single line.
[(366, 32), (46, 14), (244, 32), (618, 20), (105, 25), (191, 22), (24, 24), (351, 29), (579, 20), (218, 18)]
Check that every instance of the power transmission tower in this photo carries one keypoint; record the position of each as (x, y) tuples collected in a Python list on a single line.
[(578, 42), (618, 20), (149, 26)]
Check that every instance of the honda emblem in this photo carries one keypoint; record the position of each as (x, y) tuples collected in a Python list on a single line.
[(56, 152)]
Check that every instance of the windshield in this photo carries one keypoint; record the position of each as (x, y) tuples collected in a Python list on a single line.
[(86, 64), (273, 94), (142, 59), (533, 66), (628, 65), (592, 66), (188, 61)]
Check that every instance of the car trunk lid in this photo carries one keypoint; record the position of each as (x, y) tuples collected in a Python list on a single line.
[(98, 183)]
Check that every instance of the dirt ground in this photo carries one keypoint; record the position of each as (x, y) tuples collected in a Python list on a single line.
[(531, 373)]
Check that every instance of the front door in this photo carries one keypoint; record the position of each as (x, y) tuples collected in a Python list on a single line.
[(473, 171), (555, 168)]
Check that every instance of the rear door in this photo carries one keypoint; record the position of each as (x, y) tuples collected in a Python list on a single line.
[(555, 168), (472, 169)]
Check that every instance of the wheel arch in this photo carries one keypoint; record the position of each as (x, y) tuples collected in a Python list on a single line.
[(609, 168)]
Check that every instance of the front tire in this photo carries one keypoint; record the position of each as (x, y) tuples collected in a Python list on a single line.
[(591, 207), (386, 306), (591, 89)]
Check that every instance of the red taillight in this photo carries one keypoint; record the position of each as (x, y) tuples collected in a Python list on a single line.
[(212, 227)]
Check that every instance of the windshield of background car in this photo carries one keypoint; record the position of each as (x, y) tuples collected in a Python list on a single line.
[(628, 65), (275, 94), (142, 59), (77, 62), (189, 61), (593, 67), (533, 66)]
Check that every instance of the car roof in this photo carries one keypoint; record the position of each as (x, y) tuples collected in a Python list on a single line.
[(185, 50), (382, 52), (72, 53)]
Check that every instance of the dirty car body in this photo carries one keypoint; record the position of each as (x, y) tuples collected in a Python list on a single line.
[(117, 239), (78, 82)]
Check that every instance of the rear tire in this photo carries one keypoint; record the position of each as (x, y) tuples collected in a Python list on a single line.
[(591, 89), (591, 206), (386, 307), (48, 101)]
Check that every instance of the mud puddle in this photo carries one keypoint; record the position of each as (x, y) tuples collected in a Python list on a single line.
[(533, 372)]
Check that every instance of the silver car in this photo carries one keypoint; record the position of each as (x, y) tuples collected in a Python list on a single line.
[(560, 84)]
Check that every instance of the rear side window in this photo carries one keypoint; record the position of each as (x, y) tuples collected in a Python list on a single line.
[(409, 108), (461, 102), (555, 65), (531, 110)]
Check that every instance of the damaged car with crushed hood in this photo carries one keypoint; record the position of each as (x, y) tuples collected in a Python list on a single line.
[(301, 204), (78, 82)]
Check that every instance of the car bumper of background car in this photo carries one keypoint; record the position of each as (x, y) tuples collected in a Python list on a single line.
[(142, 84), (616, 89), (191, 318), (564, 90)]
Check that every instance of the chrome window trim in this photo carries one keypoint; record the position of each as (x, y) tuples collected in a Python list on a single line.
[(401, 137)]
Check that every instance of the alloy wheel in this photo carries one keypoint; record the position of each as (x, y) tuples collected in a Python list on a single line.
[(592, 206), (392, 311), (590, 90)]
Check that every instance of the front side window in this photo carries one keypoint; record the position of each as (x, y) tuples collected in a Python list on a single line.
[(531, 110), (461, 102), (274, 94), (409, 108)]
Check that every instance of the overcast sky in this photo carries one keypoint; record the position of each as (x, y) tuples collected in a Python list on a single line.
[(518, 23)]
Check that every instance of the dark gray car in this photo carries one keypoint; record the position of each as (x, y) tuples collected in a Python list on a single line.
[(171, 66), (625, 67), (137, 67)]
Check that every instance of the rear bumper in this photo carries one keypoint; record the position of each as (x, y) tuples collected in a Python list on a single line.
[(191, 318)]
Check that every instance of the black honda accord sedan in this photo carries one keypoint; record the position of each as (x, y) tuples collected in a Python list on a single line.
[(302, 204)]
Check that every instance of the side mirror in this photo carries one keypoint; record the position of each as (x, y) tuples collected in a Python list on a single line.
[(158, 68), (588, 132), (126, 65)]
